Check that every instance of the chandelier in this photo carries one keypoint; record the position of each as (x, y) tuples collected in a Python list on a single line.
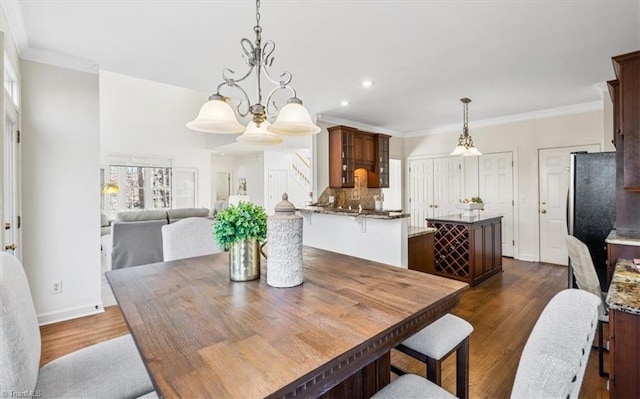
[(465, 142), (217, 116)]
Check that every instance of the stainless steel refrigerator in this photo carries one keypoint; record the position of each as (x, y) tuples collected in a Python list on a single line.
[(592, 205)]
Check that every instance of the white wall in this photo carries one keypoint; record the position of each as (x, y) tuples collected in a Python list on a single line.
[(524, 138), (144, 118), (221, 164), (61, 189)]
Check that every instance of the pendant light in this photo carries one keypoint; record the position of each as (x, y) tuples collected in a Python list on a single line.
[(217, 116), (465, 145)]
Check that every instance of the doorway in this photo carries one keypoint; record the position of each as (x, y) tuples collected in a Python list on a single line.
[(277, 186), (496, 190), (553, 172)]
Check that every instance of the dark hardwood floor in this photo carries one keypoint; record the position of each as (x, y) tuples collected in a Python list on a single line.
[(502, 311)]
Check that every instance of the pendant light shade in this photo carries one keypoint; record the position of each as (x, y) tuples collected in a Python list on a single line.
[(216, 116), (294, 120), (472, 152), (259, 135), (459, 150)]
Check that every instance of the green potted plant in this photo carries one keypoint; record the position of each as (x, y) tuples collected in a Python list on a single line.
[(240, 228)]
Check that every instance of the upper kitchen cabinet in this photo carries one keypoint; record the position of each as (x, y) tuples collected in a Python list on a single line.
[(365, 153), (351, 149), (382, 156), (627, 108), (341, 156)]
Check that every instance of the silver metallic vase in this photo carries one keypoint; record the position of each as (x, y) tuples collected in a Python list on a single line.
[(244, 260)]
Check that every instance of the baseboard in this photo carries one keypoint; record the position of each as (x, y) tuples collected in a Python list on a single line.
[(526, 258), (70, 313)]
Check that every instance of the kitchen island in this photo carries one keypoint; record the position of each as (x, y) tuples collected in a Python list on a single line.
[(377, 236), (467, 248)]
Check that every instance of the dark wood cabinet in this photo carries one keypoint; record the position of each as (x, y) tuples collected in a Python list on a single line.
[(627, 108), (351, 149), (614, 93), (420, 248), (341, 156), (624, 355), (382, 156), (469, 251), (365, 156)]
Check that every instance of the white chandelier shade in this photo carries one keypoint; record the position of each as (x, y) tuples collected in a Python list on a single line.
[(216, 116), (259, 135), (294, 120)]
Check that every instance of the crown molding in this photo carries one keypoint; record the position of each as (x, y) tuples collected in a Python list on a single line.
[(357, 125), (60, 60), (15, 20), (545, 113)]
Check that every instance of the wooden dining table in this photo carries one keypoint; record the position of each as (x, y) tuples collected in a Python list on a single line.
[(203, 335)]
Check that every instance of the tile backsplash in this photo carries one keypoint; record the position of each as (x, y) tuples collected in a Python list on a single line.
[(359, 195)]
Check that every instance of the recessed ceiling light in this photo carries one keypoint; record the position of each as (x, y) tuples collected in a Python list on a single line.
[(367, 83), (344, 103)]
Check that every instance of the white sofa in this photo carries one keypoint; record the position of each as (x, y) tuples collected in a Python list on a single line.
[(136, 236)]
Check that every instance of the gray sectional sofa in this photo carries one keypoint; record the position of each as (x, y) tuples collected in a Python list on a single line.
[(136, 236)]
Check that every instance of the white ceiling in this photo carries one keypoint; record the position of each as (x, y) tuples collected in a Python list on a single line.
[(510, 57)]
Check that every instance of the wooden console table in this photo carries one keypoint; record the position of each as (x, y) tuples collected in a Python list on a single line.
[(202, 335), (468, 249)]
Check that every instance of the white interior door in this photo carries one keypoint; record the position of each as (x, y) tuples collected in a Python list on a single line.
[(447, 186), (277, 186), (420, 190), (496, 190), (554, 164)]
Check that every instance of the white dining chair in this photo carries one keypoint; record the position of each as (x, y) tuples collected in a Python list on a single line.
[(112, 369), (188, 238), (553, 361)]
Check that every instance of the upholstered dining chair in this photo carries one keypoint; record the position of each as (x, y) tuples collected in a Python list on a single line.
[(188, 238), (553, 360), (112, 369), (587, 280)]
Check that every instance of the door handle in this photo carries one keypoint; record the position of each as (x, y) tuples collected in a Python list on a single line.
[(435, 206), (430, 205), (543, 211), (11, 247)]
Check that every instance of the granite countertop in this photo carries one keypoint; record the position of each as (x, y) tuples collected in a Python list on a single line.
[(624, 291), (415, 231), (354, 212), (459, 218), (622, 239)]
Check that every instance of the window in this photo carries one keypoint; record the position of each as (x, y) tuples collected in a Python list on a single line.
[(141, 187), (11, 82)]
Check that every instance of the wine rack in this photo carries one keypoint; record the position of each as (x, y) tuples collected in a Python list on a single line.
[(467, 251)]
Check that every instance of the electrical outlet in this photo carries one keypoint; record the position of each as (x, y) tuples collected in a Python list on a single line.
[(56, 287)]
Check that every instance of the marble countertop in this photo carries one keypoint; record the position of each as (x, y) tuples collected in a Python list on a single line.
[(459, 218), (354, 212), (624, 291), (622, 239), (415, 231)]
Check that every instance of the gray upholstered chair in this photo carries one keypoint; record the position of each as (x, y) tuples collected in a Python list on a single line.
[(188, 238), (435, 343), (112, 369), (587, 280), (553, 360), (555, 357)]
